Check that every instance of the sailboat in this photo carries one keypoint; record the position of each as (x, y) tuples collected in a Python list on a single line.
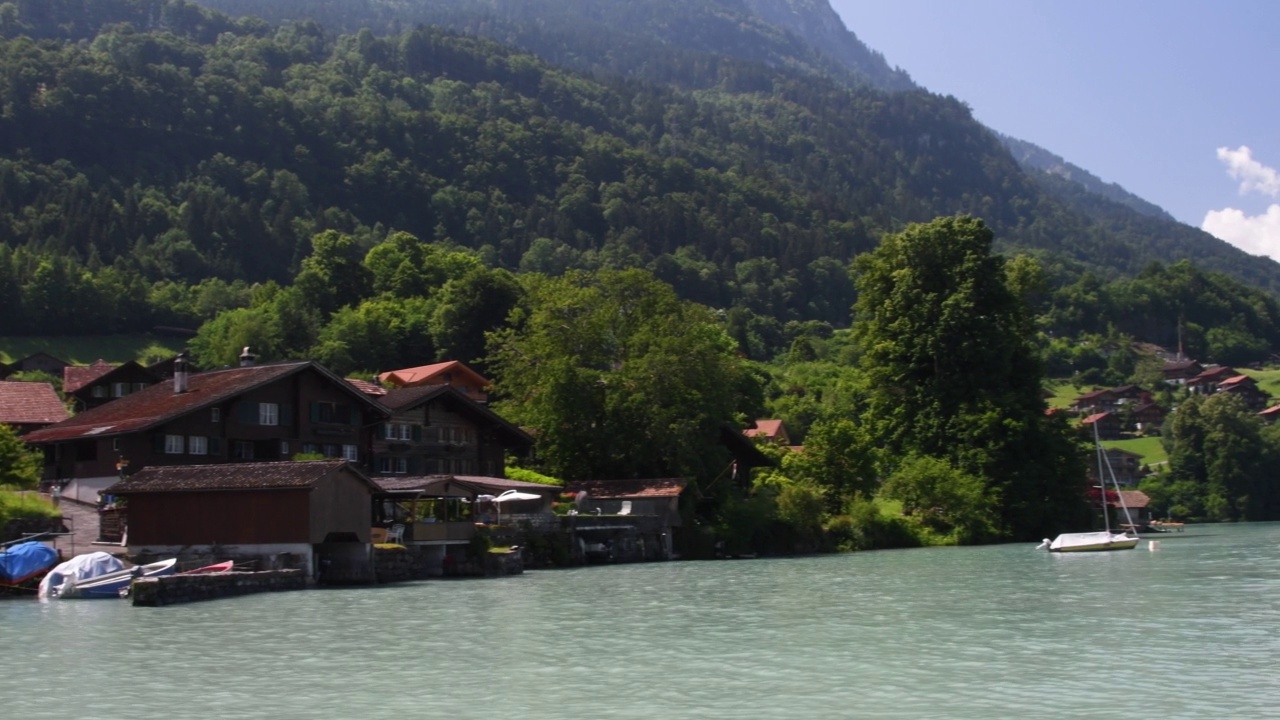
[(1097, 541)]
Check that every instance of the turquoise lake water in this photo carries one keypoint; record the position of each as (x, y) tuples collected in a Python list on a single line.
[(1191, 630)]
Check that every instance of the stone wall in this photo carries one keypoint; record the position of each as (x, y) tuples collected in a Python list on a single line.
[(175, 589), (399, 564)]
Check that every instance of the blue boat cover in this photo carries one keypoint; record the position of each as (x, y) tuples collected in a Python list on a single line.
[(25, 560)]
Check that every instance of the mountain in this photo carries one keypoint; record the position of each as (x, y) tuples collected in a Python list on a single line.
[(149, 146)]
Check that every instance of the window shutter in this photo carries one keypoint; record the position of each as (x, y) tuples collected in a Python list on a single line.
[(158, 443), (247, 414), (215, 446), (315, 411), (417, 433), (348, 414), (286, 415)]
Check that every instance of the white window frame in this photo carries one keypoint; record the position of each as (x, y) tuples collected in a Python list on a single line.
[(174, 444), (401, 465), (119, 389), (215, 415), (284, 448), (269, 414), (351, 453), (98, 391), (197, 445)]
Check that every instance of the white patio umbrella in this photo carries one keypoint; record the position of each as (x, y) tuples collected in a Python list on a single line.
[(513, 495)]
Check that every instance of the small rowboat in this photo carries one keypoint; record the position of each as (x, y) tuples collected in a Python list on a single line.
[(214, 569), (115, 584)]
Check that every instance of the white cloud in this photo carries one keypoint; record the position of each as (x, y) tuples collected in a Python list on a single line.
[(1253, 175), (1255, 234)]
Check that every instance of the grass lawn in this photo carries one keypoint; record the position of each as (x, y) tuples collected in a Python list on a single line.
[(82, 350), (1064, 393), (1268, 380), (1149, 448)]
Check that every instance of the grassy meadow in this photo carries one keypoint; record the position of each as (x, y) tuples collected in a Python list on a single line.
[(83, 350)]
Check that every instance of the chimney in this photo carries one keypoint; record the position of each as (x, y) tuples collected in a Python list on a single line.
[(181, 373), (247, 358)]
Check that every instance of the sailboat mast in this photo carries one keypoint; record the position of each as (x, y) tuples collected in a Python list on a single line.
[(1102, 483)]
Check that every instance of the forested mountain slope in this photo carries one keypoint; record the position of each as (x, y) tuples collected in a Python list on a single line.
[(145, 142)]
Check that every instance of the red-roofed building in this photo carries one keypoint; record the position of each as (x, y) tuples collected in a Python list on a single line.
[(101, 382), (1271, 414), (373, 390), (1178, 373), (1108, 425), (254, 413), (468, 381), (1207, 382), (1138, 505), (1245, 388), (28, 406), (772, 430)]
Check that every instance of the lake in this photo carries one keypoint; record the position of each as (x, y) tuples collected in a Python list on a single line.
[(1191, 630)]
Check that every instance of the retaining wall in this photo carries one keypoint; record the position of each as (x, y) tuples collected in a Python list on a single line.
[(175, 589)]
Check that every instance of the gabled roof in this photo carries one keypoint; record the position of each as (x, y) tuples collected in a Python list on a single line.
[(402, 399), (1180, 365), (159, 404), (1213, 373), (1133, 499), (765, 428), (429, 374), (1095, 394), (368, 388), (1273, 410), (629, 489), (1096, 417), (1237, 381), (75, 377), (30, 403), (284, 475)]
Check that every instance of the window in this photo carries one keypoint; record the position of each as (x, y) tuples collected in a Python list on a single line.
[(119, 389), (284, 448), (242, 450), (310, 448), (351, 452), (115, 444), (173, 444), (215, 415), (330, 412), (215, 446), (389, 465), (198, 445), (139, 386), (268, 414), (99, 391), (397, 431)]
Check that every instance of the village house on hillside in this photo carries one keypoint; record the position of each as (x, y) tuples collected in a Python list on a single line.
[(29, 406), (101, 382), (438, 429), (1109, 400), (453, 373), (243, 414), (35, 362), (1179, 372)]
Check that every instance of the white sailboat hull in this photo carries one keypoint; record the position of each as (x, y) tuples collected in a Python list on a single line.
[(1092, 542)]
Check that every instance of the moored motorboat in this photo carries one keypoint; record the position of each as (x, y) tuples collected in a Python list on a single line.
[(1090, 542), (24, 562), (115, 584)]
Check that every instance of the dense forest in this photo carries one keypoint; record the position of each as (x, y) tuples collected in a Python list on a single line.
[(372, 191)]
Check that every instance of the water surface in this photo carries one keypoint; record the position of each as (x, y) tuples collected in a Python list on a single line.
[(1189, 631)]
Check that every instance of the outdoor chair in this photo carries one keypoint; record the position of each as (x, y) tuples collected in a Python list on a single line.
[(396, 534), (626, 508)]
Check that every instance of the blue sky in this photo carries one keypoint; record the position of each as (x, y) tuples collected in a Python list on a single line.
[(1174, 100)]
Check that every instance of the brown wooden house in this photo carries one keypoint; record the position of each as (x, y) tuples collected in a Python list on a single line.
[(35, 362), (440, 430), (259, 511), (245, 414), (1106, 425), (1180, 371), (101, 382), (1246, 388)]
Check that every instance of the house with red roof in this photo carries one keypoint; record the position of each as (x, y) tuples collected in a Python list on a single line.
[(1179, 372), (1106, 425), (28, 406), (1271, 414), (468, 381), (772, 430), (101, 382), (1245, 388), (1207, 382), (626, 519), (253, 413)]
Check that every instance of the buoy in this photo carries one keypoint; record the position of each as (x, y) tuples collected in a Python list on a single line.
[(1153, 545)]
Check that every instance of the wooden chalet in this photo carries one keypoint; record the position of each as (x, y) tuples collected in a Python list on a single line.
[(774, 431), (1179, 372), (28, 406), (453, 373), (440, 430), (35, 362), (1139, 509), (101, 382), (308, 515), (1245, 388), (1271, 414), (1149, 417), (1209, 380), (626, 519), (1108, 425), (246, 414), (1126, 466)]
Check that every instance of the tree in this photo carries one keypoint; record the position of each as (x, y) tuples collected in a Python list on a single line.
[(618, 377), (942, 498), (952, 373), (1218, 463), (333, 275), (20, 467)]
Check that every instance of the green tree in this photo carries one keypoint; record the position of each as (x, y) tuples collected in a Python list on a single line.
[(618, 377), (20, 467), (951, 373), (942, 498)]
